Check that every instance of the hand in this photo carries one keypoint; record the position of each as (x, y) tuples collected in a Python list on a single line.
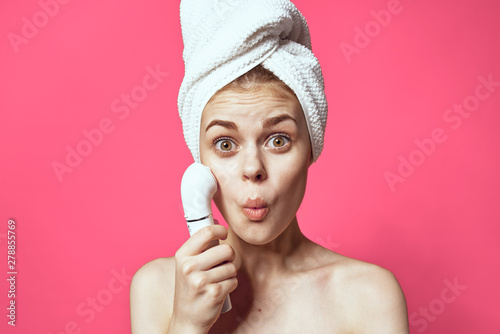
[(204, 275)]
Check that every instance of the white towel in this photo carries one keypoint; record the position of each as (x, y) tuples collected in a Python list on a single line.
[(224, 39)]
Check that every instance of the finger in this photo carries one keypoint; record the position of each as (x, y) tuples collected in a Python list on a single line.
[(202, 239), (214, 256), (228, 285), (221, 289), (221, 273)]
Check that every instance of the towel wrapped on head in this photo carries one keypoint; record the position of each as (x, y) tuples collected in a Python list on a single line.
[(224, 39)]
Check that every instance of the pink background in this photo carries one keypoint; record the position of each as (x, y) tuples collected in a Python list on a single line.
[(120, 205)]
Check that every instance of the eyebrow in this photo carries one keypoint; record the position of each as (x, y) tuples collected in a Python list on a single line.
[(267, 123)]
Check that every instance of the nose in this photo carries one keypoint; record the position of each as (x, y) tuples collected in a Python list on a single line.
[(253, 167)]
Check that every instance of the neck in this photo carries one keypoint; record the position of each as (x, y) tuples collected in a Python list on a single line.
[(261, 262)]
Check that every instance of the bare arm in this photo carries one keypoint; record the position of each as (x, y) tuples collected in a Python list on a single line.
[(151, 296), (381, 303), (184, 294)]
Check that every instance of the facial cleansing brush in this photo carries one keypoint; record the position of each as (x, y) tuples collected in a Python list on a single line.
[(198, 187)]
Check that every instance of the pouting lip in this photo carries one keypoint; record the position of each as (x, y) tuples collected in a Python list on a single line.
[(256, 215), (255, 203)]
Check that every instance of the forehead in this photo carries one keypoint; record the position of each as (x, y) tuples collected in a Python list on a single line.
[(260, 102)]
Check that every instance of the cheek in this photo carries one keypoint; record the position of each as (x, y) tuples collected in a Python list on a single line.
[(225, 171), (292, 179), (226, 175), (292, 182)]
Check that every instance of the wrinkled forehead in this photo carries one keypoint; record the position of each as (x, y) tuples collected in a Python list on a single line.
[(262, 101)]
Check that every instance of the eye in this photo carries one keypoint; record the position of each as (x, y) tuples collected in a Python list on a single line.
[(223, 145), (226, 145), (280, 141)]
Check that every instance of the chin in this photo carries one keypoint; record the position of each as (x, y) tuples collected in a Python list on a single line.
[(255, 240), (255, 233)]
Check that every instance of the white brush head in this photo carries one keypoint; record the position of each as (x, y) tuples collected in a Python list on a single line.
[(198, 186)]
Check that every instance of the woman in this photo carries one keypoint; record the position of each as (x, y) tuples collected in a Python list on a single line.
[(257, 138)]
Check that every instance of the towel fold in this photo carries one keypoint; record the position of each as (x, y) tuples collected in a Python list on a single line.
[(225, 39)]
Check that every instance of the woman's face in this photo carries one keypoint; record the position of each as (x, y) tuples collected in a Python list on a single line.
[(258, 148)]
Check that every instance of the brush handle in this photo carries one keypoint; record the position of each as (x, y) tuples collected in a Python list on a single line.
[(198, 186)]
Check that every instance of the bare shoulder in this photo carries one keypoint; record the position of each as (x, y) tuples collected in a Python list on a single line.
[(373, 296), (151, 296)]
